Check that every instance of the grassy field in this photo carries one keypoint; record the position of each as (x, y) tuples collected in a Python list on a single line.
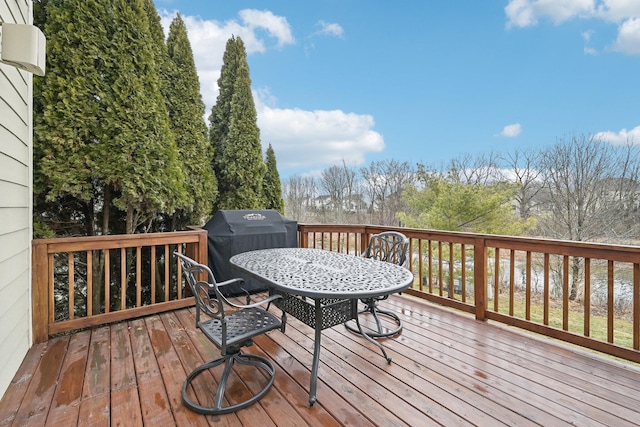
[(622, 326)]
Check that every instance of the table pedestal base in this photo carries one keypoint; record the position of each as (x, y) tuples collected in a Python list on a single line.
[(320, 314)]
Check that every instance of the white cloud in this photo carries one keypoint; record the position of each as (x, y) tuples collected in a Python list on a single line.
[(276, 26), (511, 131), (520, 14), (628, 40), (209, 38), (618, 10), (625, 13), (524, 13), (301, 139), (586, 36), (622, 137), (316, 139), (329, 29)]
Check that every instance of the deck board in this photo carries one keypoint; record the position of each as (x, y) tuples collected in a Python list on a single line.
[(448, 369)]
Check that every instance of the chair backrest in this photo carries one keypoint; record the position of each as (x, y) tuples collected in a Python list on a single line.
[(208, 297), (390, 246)]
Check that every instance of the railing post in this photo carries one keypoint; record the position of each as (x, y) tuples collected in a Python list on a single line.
[(636, 306), (39, 292), (364, 240), (303, 240), (203, 246), (480, 276), (199, 251)]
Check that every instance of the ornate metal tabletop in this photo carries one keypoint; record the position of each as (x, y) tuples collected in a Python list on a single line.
[(318, 273), (322, 288)]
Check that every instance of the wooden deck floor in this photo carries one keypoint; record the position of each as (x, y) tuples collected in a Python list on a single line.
[(448, 369)]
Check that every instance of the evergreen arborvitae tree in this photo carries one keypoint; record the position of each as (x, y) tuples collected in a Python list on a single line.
[(235, 136), (241, 166), (70, 114), (142, 163), (220, 117), (164, 67), (186, 111), (102, 137), (271, 185)]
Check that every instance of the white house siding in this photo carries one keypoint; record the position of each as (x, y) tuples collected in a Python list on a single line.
[(15, 205)]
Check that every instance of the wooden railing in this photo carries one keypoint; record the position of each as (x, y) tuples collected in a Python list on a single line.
[(143, 277), (583, 293)]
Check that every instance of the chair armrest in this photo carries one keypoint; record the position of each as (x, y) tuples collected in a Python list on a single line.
[(255, 304), (240, 282), (230, 282)]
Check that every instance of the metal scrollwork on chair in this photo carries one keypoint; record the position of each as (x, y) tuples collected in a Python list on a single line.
[(389, 246), (229, 330)]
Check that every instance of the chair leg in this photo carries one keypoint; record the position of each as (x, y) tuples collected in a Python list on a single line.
[(372, 308), (228, 361)]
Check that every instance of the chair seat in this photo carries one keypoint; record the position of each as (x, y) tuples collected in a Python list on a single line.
[(242, 325), (381, 329), (389, 246), (229, 329)]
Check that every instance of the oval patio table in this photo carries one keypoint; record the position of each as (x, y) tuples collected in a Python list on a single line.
[(322, 288)]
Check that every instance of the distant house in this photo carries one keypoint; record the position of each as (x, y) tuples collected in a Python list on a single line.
[(16, 132), (323, 202), (351, 204)]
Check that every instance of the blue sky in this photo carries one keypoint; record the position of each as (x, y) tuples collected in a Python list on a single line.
[(423, 80)]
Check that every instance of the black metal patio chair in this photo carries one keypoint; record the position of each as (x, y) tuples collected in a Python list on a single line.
[(389, 246), (230, 327)]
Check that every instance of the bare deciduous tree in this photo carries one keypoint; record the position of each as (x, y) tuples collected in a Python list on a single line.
[(299, 193), (589, 184), (384, 181), (339, 183), (587, 181), (482, 169), (523, 167)]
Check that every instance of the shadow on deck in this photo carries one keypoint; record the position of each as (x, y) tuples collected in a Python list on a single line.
[(448, 369)]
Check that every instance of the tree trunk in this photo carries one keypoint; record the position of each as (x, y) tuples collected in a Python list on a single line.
[(129, 223), (106, 210)]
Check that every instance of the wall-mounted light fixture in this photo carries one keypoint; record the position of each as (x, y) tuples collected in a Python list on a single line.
[(23, 46)]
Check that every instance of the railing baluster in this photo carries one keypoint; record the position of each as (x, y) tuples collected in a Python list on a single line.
[(587, 297), (440, 268), (610, 301), (496, 281), (463, 273), (512, 281), (123, 279), (546, 289), (153, 274), (430, 280), (451, 271), (528, 288), (565, 293), (89, 283), (72, 281), (52, 306), (107, 280), (138, 276), (420, 266), (166, 274)]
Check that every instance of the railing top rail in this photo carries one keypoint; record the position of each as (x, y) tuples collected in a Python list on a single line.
[(71, 244), (616, 252)]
